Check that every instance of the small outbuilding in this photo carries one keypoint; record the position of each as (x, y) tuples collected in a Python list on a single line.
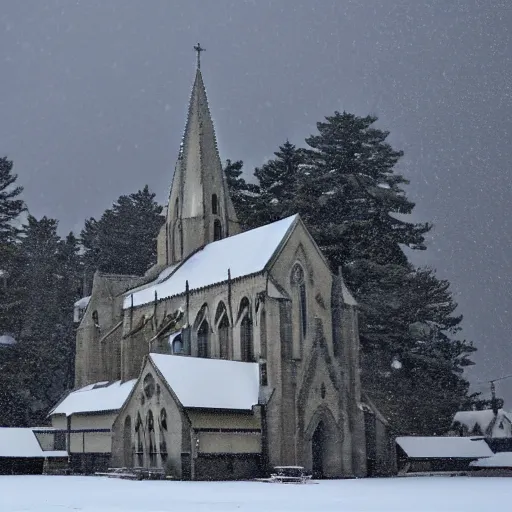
[(21, 452), (84, 417), (439, 454)]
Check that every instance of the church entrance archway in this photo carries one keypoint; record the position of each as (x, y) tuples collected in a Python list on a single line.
[(127, 442), (322, 445), (318, 451)]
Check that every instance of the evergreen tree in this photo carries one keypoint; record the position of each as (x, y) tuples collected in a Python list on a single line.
[(11, 207), (10, 204), (12, 402), (279, 185), (354, 194), (41, 366), (242, 194), (123, 241), (412, 359)]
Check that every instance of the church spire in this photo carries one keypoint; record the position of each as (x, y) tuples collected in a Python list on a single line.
[(200, 210)]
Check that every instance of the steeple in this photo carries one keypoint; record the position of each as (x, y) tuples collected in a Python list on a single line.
[(200, 210)]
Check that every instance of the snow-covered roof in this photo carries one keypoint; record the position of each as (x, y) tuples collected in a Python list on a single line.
[(498, 460), (162, 276), (444, 447), (7, 339), (22, 442), (244, 254), (483, 420), (83, 302), (210, 383), (101, 396)]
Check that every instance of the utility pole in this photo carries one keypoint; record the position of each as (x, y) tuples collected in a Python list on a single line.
[(494, 403)]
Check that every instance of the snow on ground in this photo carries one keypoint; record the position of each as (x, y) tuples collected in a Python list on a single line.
[(96, 494)]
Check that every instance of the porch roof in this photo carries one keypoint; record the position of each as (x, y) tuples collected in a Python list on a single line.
[(210, 383)]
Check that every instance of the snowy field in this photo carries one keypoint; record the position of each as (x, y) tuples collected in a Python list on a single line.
[(96, 494)]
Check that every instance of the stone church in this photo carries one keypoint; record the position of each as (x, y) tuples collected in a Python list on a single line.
[(238, 351)]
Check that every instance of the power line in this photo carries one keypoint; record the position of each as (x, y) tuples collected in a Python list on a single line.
[(494, 380)]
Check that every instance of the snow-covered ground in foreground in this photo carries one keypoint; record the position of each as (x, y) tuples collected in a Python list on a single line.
[(96, 494)]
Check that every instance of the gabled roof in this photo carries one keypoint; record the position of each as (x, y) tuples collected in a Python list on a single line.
[(245, 254), (484, 421), (22, 442), (98, 397), (444, 447), (209, 383)]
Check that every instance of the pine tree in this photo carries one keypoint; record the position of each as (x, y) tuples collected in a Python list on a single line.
[(412, 358), (41, 366), (11, 206), (123, 241), (279, 183), (242, 194), (355, 194)]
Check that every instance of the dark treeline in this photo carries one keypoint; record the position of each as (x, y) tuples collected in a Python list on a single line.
[(344, 184)]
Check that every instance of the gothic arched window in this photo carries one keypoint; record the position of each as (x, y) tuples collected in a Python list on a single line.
[(298, 281), (217, 230), (163, 443), (215, 204), (152, 443), (246, 332), (177, 343), (263, 334), (222, 323), (127, 442), (176, 208), (140, 443), (202, 339)]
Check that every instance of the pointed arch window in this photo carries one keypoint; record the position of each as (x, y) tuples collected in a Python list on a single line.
[(222, 323), (299, 283), (263, 334), (217, 230), (140, 443), (176, 208), (202, 339), (215, 204), (152, 442), (246, 331), (163, 442)]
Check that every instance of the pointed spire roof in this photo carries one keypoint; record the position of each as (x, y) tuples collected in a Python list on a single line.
[(199, 187)]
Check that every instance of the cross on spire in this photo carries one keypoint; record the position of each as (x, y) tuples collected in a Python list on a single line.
[(199, 49)]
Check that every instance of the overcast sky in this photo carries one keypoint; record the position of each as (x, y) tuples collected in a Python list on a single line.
[(93, 97)]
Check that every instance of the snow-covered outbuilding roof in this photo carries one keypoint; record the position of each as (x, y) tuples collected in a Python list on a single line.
[(245, 254), (98, 397), (498, 460), (444, 447), (210, 383), (483, 421), (22, 442)]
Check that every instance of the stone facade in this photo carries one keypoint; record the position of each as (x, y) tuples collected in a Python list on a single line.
[(302, 325)]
